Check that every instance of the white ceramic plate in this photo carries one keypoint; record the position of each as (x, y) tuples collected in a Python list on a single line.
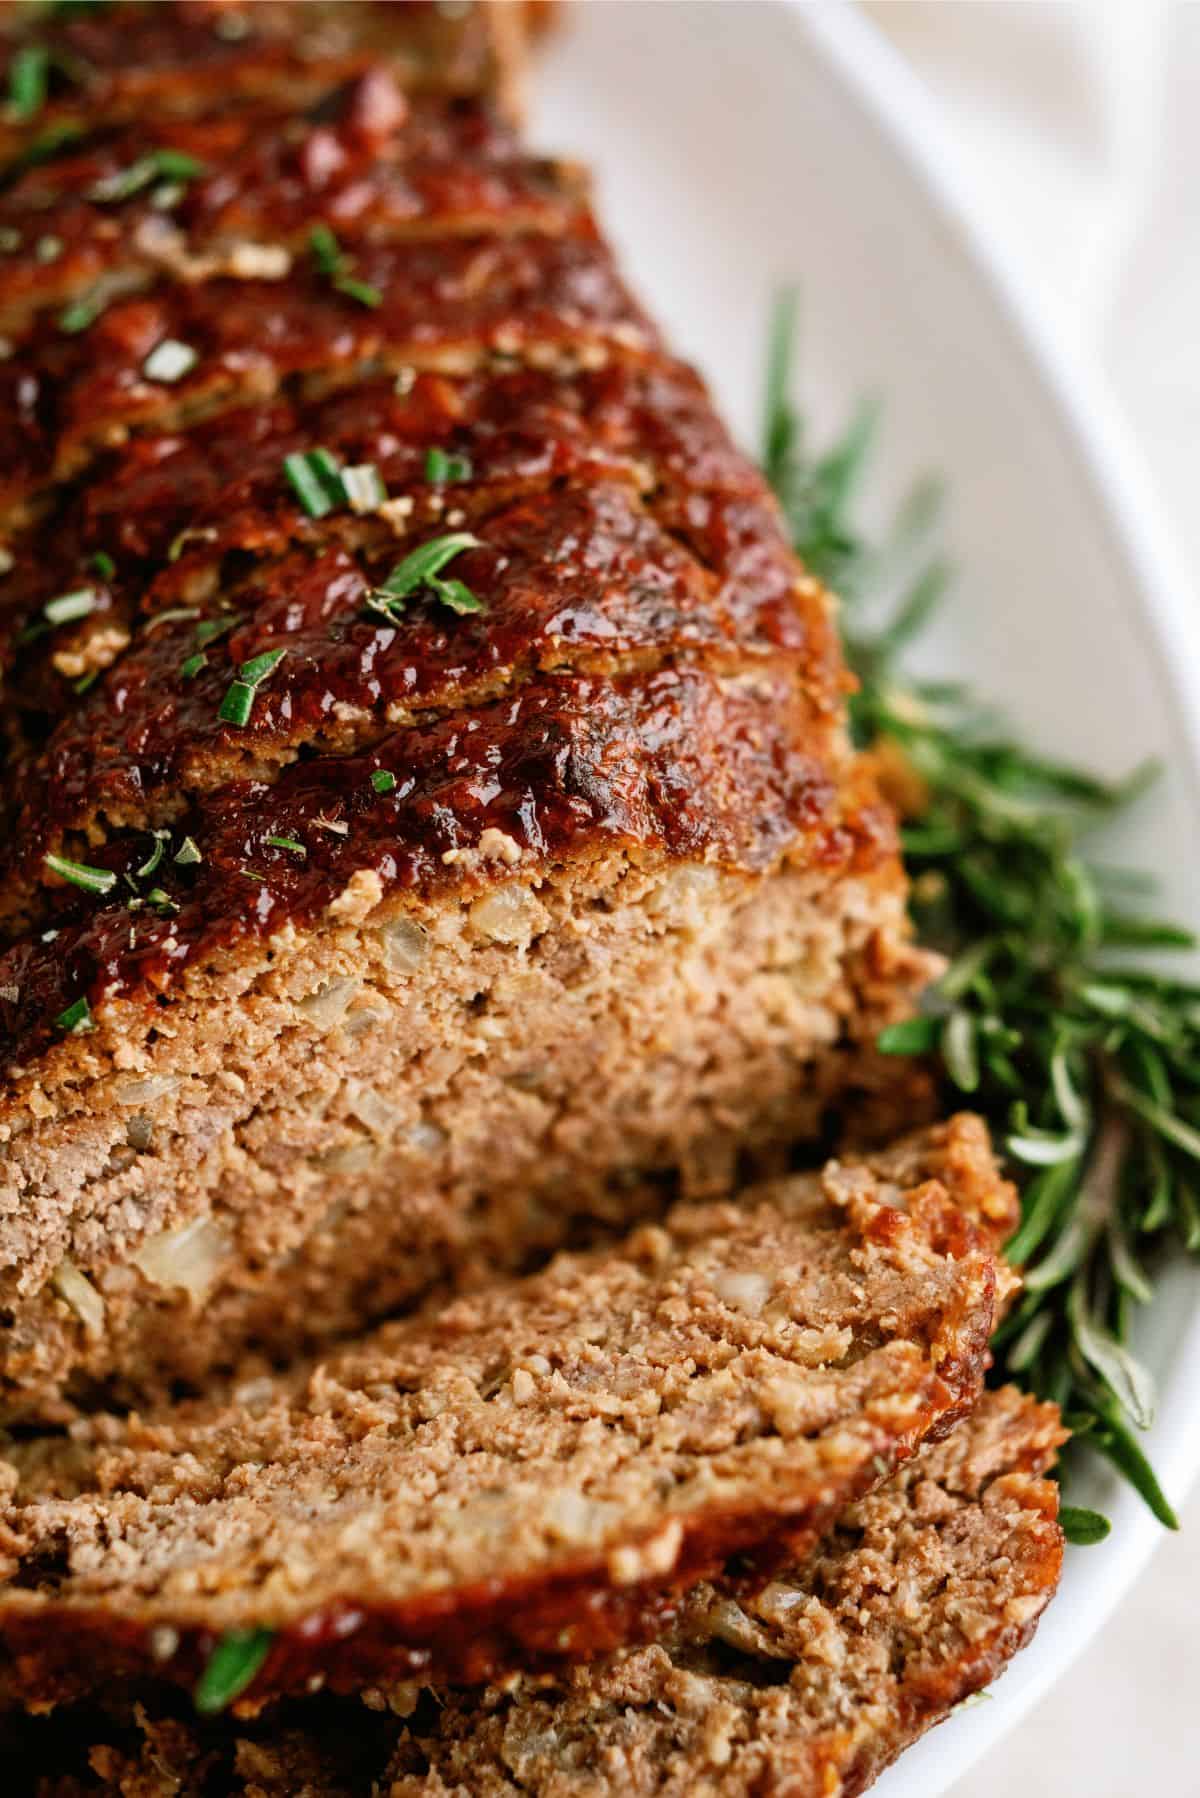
[(744, 143)]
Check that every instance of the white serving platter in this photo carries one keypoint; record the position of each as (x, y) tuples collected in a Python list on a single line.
[(743, 144)]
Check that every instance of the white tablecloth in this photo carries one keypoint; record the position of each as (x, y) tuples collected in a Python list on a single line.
[(1079, 126)]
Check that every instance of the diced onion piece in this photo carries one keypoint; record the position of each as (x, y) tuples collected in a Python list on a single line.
[(188, 1258), (81, 1295), (328, 1005), (510, 914), (404, 946)]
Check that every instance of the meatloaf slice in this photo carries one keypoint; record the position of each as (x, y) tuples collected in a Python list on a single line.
[(450, 303), (242, 194), (917, 1598), (128, 59), (531, 1475), (408, 1014)]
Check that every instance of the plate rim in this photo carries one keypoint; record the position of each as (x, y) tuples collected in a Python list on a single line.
[(889, 95)]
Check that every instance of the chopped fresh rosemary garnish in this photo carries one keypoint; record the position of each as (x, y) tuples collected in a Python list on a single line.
[(232, 1665), (92, 880), (362, 291), (325, 250), (316, 476), (166, 164), (383, 781), (192, 533), (331, 260), (288, 843), (76, 1018), (161, 838), (422, 567), (442, 468), (187, 854), (1084, 1057), (1083, 1527), (169, 361), (211, 628), (238, 702), (82, 314), (103, 565), (28, 80)]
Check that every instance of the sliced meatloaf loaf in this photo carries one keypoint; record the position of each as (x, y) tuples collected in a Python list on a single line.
[(427, 826), (529, 1476), (918, 1597)]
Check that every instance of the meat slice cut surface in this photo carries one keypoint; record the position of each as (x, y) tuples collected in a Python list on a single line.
[(429, 832), (532, 1475), (917, 1598)]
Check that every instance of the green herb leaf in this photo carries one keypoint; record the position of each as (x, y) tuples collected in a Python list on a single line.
[(28, 81), (1087, 1069), (238, 702), (161, 838), (913, 1036), (210, 629), (331, 260), (316, 477), (191, 665), (192, 534), (362, 291), (187, 854), (325, 250), (289, 843), (422, 568), (441, 468), (172, 165), (91, 880), (235, 1661), (1082, 1527), (104, 565), (75, 1019), (383, 781), (81, 315)]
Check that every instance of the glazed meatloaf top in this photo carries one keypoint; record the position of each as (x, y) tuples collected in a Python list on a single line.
[(917, 1598), (371, 434), (533, 1474), (242, 193), (127, 59)]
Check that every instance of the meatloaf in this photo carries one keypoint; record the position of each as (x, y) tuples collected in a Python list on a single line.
[(527, 1477), (919, 1596), (428, 831)]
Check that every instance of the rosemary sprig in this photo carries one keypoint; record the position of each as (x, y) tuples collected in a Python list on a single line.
[(1082, 1054)]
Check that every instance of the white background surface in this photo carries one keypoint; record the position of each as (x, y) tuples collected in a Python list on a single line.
[(1075, 126), (1080, 130)]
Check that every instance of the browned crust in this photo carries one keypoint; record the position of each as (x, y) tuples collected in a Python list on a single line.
[(682, 764), (735, 1701), (925, 1264), (445, 303), (367, 164), (186, 58), (599, 549)]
